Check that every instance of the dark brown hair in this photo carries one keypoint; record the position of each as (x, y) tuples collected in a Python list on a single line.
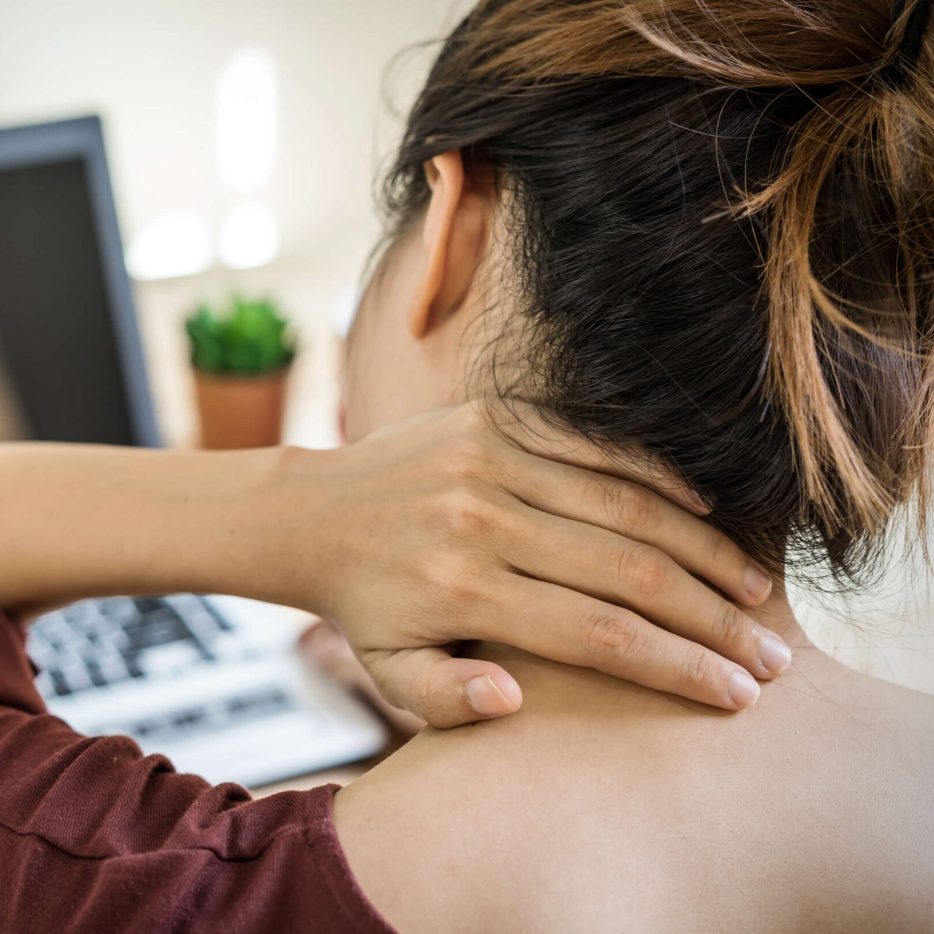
[(726, 242)]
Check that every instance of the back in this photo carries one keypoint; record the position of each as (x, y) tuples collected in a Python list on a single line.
[(606, 807)]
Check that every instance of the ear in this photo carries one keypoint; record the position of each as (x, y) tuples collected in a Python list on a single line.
[(453, 239)]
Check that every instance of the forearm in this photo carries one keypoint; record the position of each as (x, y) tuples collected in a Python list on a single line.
[(85, 521)]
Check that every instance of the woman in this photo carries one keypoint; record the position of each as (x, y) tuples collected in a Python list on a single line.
[(94, 837), (581, 210), (707, 228)]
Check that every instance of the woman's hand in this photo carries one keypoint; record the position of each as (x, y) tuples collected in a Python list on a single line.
[(444, 529), (434, 532)]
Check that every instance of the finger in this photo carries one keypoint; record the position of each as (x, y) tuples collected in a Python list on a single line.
[(644, 579), (525, 428), (632, 510), (327, 649), (444, 691), (569, 627)]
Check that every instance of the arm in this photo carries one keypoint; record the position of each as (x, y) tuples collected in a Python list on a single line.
[(436, 531), (96, 837), (92, 521)]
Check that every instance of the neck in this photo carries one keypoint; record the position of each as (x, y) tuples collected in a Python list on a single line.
[(776, 614), (557, 679)]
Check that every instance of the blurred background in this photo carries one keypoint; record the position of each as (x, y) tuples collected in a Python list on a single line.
[(243, 141)]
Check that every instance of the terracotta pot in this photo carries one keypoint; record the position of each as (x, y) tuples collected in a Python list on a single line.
[(239, 412)]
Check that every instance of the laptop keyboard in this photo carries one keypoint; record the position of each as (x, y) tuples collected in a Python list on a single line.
[(254, 705), (182, 679), (102, 642)]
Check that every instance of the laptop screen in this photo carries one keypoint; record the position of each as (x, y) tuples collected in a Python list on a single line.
[(60, 370)]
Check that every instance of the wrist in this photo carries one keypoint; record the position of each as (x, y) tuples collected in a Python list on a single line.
[(201, 529), (273, 522)]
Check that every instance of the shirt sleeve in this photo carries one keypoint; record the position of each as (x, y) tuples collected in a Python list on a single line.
[(96, 837)]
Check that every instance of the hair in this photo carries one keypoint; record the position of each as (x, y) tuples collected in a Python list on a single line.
[(724, 243)]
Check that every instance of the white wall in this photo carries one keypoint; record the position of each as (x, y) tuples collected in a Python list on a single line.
[(151, 68)]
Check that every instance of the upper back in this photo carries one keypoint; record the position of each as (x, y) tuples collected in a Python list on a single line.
[(606, 807)]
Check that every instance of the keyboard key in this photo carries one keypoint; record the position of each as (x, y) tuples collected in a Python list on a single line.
[(77, 613), (229, 648), (169, 659), (76, 676), (59, 632), (221, 622), (97, 677), (59, 684), (162, 631), (96, 625), (44, 684), (117, 641), (100, 642), (132, 662), (112, 668), (143, 730), (189, 718), (185, 604), (118, 607), (42, 653), (263, 702)]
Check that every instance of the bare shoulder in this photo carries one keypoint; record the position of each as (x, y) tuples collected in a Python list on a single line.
[(903, 714), (413, 830), (537, 818)]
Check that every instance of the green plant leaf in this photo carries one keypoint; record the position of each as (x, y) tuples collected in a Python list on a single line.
[(247, 337)]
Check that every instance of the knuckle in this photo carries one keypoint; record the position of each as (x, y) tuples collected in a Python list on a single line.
[(648, 569), (635, 509), (453, 580), (382, 673), (607, 636), (465, 514), (697, 670), (729, 625), (425, 700), (467, 456)]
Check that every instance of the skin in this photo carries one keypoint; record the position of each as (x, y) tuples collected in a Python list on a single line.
[(442, 522), (471, 516), (602, 805)]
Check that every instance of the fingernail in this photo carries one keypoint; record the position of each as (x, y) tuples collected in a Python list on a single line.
[(744, 690), (488, 699), (774, 653), (758, 583)]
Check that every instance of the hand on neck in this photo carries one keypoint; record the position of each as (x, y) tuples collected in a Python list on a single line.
[(539, 675), (776, 614)]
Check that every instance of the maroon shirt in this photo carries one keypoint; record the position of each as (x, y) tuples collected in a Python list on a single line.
[(96, 838)]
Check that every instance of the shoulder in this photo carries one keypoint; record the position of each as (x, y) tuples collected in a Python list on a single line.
[(415, 831)]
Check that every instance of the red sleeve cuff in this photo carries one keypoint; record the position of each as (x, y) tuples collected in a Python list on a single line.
[(17, 672)]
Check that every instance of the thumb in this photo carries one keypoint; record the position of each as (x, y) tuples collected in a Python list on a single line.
[(444, 691)]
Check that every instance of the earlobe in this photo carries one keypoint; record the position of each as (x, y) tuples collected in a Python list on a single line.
[(452, 240)]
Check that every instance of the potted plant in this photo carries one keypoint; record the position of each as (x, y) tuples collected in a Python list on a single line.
[(241, 356)]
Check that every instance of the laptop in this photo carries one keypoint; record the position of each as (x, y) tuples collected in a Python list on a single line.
[(212, 682)]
